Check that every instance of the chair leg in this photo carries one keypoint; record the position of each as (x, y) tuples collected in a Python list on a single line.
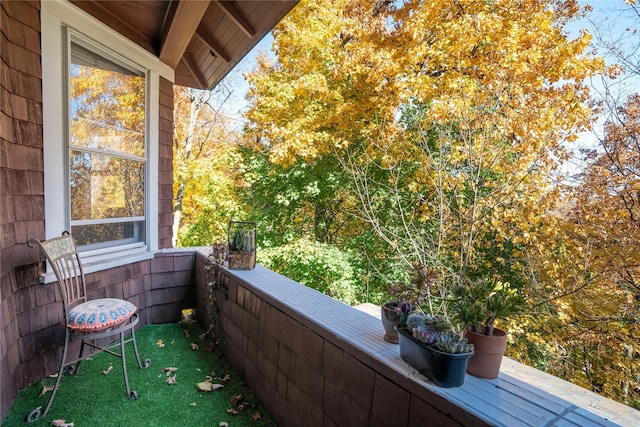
[(76, 369), (36, 414), (124, 364), (135, 350)]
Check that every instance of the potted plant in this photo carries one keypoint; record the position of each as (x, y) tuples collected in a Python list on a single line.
[(413, 293), (392, 313), (430, 344), (242, 245), (477, 305)]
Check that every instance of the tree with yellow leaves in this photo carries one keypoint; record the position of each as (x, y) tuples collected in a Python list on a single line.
[(590, 334), (586, 329), (204, 153), (451, 118)]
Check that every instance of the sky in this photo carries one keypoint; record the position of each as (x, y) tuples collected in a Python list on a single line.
[(617, 21)]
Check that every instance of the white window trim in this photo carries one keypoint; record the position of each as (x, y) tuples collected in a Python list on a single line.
[(55, 16)]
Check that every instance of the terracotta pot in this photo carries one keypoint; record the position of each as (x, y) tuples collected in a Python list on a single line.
[(488, 353), (390, 318)]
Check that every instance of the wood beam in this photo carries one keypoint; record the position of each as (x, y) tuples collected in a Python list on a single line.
[(179, 28), (212, 44), (233, 14), (193, 69)]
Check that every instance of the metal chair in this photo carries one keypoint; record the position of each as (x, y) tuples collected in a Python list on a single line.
[(86, 320)]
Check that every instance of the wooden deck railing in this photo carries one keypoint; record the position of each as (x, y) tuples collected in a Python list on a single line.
[(312, 360)]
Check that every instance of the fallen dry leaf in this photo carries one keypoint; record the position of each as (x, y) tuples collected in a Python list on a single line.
[(223, 424), (210, 347), (193, 404), (225, 378), (61, 423), (256, 416), (169, 370), (205, 386), (202, 336), (232, 411), (172, 380), (194, 346), (160, 343), (46, 389), (109, 369), (208, 386), (236, 399), (187, 334)]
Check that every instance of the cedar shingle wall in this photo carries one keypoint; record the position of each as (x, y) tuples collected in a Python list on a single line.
[(21, 188), (30, 313)]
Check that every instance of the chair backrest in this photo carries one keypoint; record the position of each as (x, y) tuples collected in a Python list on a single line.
[(62, 255)]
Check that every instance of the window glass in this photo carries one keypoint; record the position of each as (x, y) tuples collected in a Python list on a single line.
[(107, 156)]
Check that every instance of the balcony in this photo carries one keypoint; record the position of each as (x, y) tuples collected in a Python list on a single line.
[(310, 359)]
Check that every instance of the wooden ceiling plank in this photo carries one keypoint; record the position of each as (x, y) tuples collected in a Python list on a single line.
[(212, 44), (98, 10), (194, 71), (181, 28), (235, 16)]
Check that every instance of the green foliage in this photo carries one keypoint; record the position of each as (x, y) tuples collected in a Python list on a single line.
[(320, 266), (378, 267), (306, 199)]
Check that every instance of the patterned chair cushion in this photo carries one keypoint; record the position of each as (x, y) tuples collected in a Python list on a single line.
[(99, 314)]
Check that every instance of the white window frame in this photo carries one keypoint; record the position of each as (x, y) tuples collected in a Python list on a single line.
[(57, 18)]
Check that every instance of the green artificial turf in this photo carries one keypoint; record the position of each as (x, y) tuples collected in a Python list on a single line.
[(93, 399)]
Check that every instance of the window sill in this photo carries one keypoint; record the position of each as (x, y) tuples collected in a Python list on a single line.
[(95, 263)]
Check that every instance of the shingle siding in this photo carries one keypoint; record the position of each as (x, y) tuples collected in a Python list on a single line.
[(30, 327)]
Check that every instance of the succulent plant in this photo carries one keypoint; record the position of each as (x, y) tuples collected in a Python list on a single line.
[(415, 320), (242, 240), (478, 303), (450, 342), (418, 289), (425, 334), (239, 240), (404, 308), (438, 323)]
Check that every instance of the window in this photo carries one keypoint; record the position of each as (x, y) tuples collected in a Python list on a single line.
[(101, 123), (107, 149)]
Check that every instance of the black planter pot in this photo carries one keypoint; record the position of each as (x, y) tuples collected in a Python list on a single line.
[(444, 369)]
